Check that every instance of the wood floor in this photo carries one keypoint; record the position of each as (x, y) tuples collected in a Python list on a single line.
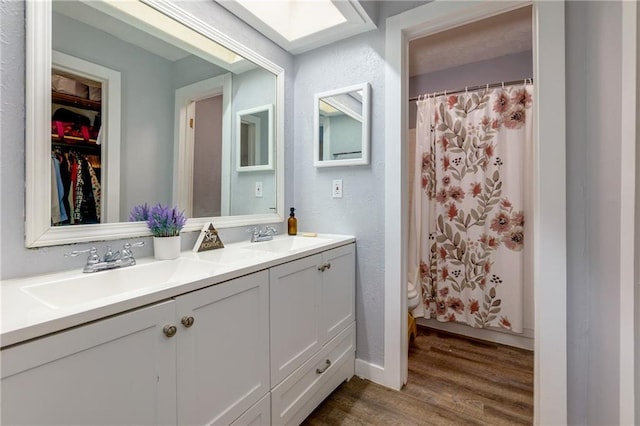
[(452, 381)]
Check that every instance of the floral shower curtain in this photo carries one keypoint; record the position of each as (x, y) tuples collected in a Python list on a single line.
[(467, 225)]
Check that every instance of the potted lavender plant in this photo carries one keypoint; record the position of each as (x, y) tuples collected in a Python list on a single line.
[(165, 224)]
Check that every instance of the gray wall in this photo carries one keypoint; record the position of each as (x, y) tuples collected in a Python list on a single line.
[(360, 212), (637, 236), (593, 49), (502, 68), (15, 259)]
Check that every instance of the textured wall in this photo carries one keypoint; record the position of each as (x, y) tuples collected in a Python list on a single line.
[(361, 211), (593, 43), (15, 259)]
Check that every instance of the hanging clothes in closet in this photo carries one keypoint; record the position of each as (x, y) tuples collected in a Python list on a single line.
[(75, 187)]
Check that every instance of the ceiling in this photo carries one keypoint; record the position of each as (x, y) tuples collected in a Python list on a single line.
[(302, 25), (489, 38)]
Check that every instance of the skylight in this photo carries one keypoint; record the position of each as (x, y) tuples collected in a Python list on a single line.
[(295, 19), (301, 25)]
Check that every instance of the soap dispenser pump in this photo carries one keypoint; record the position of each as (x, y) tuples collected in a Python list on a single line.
[(292, 223)]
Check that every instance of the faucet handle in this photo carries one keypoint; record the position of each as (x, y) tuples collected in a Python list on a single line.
[(110, 256), (126, 249), (273, 230), (93, 254)]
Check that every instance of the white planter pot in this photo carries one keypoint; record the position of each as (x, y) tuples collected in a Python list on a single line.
[(166, 248)]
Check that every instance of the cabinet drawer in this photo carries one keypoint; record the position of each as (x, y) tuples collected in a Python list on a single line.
[(259, 414), (297, 396)]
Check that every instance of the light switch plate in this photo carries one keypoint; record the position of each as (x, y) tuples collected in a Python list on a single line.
[(259, 189), (337, 188)]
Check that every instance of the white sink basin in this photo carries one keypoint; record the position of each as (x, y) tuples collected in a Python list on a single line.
[(89, 287), (233, 257), (288, 244)]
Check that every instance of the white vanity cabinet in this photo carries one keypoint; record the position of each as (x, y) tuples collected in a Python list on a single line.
[(312, 318), (263, 345), (134, 368), (119, 370)]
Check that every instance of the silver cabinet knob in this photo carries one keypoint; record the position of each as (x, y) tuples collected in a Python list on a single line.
[(187, 321), (169, 330), (324, 266)]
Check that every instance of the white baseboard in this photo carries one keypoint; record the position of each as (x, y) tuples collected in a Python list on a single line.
[(369, 371), (524, 341)]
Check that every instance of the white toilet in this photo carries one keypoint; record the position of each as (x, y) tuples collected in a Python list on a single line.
[(413, 298)]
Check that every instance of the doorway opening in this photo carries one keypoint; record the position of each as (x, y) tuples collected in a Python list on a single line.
[(473, 65), (549, 200)]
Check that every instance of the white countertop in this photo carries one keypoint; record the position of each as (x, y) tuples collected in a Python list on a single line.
[(25, 316)]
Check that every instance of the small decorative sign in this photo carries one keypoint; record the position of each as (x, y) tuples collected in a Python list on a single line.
[(208, 239)]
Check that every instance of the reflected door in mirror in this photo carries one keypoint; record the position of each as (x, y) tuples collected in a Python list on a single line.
[(207, 156)]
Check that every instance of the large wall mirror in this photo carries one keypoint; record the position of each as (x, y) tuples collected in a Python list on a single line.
[(341, 126), (140, 102)]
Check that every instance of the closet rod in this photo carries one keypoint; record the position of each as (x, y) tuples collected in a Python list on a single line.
[(471, 89)]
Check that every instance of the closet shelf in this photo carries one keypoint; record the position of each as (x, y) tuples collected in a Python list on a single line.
[(79, 144), (75, 101)]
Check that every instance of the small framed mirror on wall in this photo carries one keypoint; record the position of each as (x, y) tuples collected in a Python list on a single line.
[(341, 127), (254, 139)]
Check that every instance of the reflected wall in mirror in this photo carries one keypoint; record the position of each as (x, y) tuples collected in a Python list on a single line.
[(254, 139), (341, 126), (161, 131)]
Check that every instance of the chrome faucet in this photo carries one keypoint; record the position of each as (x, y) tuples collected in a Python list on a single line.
[(110, 260), (263, 234)]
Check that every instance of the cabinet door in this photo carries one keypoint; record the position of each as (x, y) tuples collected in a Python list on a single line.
[(223, 357), (338, 291), (295, 307), (120, 370)]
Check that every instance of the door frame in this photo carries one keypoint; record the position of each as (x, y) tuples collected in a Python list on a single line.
[(549, 197), (184, 142)]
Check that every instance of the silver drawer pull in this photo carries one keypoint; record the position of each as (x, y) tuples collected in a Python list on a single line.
[(326, 365)]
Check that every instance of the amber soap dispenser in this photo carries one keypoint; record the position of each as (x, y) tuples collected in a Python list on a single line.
[(292, 223)]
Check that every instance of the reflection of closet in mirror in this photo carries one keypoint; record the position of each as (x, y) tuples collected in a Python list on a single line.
[(255, 139), (78, 140)]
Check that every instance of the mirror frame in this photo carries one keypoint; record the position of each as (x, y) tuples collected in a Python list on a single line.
[(38, 229), (269, 166), (366, 125)]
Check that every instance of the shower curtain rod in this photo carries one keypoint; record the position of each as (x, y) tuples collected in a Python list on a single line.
[(472, 88)]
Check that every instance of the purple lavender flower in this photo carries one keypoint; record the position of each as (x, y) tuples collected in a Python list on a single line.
[(165, 222), (139, 213), (161, 220)]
